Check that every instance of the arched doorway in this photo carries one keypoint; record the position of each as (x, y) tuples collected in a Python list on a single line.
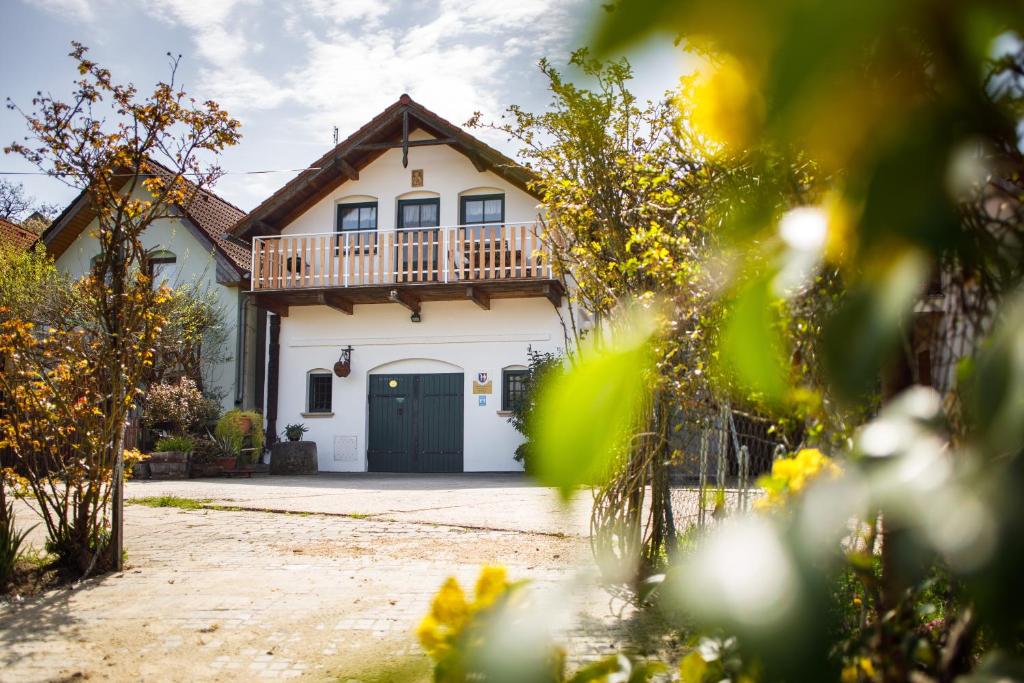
[(415, 418)]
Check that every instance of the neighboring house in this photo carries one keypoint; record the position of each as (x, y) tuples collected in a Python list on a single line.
[(193, 247), (417, 247), (14, 236)]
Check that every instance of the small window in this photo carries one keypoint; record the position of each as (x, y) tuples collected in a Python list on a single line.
[(513, 388), (319, 395), (478, 209), (419, 213), (357, 216), (159, 267)]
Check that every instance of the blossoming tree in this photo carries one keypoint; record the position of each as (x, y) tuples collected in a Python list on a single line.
[(69, 389)]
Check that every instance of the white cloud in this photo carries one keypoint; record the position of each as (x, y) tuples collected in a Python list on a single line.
[(458, 62), (195, 14), (71, 10), (345, 11)]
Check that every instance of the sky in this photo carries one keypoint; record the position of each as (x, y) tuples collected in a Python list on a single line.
[(291, 70)]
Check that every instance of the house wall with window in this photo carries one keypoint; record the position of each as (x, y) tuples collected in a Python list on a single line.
[(193, 262), (452, 337), (448, 176)]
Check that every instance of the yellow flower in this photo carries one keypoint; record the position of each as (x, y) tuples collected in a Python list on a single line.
[(492, 583), (790, 476), (449, 607), (432, 636), (450, 614), (727, 107)]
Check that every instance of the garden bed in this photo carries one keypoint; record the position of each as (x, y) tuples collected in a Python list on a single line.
[(34, 575)]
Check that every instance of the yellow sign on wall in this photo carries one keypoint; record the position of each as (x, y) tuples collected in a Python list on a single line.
[(482, 384)]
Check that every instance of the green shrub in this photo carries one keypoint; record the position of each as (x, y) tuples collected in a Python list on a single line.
[(175, 443), (231, 429), (542, 365), (11, 541), (180, 405)]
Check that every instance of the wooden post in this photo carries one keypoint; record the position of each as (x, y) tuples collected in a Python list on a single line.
[(273, 373)]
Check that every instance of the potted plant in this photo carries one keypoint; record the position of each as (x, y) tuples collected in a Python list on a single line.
[(243, 430), (205, 454), (171, 457), (226, 452), (294, 432)]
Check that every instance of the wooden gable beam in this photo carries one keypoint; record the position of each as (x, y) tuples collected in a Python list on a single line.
[(554, 295), (336, 301), (281, 309), (479, 297), (478, 161), (412, 143), (348, 169), (405, 138), (405, 298)]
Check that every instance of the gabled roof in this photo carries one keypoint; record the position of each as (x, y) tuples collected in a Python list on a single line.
[(15, 236), (211, 215), (345, 160)]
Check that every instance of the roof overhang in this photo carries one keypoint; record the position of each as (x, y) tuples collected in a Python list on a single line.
[(388, 130)]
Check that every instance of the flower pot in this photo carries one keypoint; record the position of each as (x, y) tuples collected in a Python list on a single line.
[(227, 463), (293, 457), (294, 438), (208, 469), (245, 424), (168, 465)]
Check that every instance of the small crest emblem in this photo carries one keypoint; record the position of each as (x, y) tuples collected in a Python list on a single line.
[(481, 377)]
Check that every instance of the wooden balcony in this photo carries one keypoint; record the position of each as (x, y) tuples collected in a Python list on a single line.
[(405, 266)]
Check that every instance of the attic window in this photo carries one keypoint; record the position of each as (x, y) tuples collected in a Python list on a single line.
[(357, 216), (484, 208), (160, 266)]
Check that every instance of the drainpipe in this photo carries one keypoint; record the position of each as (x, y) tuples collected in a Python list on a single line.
[(273, 365), (240, 349)]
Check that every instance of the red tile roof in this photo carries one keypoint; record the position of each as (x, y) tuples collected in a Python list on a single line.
[(212, 215), (215, 217), (13, 235)]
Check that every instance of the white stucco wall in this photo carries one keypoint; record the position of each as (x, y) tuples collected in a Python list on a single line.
[(195, 263), (446, 174), (454, 336)]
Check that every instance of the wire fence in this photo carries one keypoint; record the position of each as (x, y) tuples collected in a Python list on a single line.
[(719, 455)]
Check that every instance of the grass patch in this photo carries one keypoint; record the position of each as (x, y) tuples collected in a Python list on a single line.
[(357, 515), (170, 502), (414, 669)]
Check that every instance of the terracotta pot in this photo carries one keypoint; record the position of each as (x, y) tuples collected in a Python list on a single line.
[(227, 463), (245, 424)]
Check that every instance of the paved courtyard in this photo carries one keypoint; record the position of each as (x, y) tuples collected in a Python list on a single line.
[(321, 592)]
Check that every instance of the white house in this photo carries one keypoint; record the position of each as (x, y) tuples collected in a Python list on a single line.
[(413, 250), (193, 247)]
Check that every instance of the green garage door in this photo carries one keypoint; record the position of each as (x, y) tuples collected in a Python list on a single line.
[(415, 423)]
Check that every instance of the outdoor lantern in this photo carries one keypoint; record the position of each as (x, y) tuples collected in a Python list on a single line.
[(344, 364)]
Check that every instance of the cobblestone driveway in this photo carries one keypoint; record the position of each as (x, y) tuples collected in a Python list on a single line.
[(240, 595)]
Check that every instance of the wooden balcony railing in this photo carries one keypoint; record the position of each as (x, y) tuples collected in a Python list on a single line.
[(464, 253)]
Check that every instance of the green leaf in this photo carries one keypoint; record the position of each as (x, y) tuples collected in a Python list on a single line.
[(752, 344), (995, 385), (584, 415), (864, 332), (692, 668)]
